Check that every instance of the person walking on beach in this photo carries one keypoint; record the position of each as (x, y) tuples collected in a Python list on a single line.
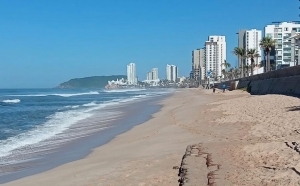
[(223, 87)]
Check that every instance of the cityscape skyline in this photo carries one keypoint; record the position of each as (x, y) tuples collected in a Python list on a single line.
[(40, 38), (211, 62), (152, 75)]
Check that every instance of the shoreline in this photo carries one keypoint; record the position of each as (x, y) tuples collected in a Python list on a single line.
[(70, 152), (236, 144), (131, 146)]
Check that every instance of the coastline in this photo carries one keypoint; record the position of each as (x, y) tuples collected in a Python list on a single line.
[(144, 142), (248, 146), (123, 120)]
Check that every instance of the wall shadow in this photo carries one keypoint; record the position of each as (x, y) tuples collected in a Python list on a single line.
[(295, 108)]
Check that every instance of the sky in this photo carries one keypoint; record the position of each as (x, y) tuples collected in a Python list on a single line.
[(46, 42)]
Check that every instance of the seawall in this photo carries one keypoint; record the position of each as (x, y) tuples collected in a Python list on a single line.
[(284, 81)]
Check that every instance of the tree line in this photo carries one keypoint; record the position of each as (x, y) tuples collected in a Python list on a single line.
[(266, 43)]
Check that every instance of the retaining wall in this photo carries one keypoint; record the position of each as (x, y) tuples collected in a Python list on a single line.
[(284, 81)]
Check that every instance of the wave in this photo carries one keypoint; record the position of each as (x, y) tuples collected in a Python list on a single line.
[(89, 104), (78, 94), (62, 95), (123, 90), (12, 101), (57, 124), (74, 106)]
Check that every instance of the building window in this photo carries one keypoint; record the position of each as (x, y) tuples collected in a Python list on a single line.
[(269, 35), (286, 29)]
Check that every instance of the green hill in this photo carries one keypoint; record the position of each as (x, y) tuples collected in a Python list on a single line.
[(90, 82)]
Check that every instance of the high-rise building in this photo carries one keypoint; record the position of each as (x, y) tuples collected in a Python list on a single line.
[(172, 73), (131, 74), (198, 61), (153, 74), (250, 39), (284, 53), (215, 55)]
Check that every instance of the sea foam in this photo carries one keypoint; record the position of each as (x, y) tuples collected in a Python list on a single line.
[(57, 123), (11, 101), (61, 95)]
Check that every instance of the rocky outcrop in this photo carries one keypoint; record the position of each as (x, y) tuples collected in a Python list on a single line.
[(89, 82)]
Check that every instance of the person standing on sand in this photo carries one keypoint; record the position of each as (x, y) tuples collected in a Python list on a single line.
[(223, 87)]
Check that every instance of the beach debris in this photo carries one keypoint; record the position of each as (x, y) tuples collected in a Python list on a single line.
[(206, 166), (211, 178)]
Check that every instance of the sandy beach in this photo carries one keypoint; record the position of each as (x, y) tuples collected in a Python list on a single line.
[(253, 139)]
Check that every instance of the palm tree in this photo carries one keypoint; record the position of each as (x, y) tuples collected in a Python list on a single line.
[(224, 73), (241, 54), (262, 63), (252, 53), (267, 43), (225, 64)]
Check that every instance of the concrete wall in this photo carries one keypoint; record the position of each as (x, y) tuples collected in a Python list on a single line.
[(284, 81)]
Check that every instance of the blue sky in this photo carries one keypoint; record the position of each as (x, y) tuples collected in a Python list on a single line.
[(44, 43)]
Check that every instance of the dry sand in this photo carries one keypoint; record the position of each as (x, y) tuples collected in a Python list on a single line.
[(253, 138)]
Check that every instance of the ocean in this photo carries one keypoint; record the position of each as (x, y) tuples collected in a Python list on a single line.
[(43, 128)]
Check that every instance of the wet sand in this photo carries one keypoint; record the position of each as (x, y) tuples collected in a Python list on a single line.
[(254, 139)]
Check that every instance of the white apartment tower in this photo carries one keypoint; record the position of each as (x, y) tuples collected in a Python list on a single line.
[(253, 38), (250, 39), (172, 73), (198, 60), (153, 74), (131, 74), (285, 53), (215, 54)]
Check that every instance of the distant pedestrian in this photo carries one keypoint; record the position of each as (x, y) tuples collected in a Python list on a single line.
[(214, 89), (223, 87)]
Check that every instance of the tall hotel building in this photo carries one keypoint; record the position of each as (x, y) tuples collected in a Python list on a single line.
[(131, 74), (198, 61), (172, 73), (215, 54), (250, 39), (285, 52), (153, 74)]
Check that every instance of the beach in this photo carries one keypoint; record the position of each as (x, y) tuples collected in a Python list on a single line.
[(252, 140)]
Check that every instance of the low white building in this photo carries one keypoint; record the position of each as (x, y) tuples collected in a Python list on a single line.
[(118, 82), (258, 70)]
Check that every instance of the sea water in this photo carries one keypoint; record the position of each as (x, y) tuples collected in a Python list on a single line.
[(37, 122)]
